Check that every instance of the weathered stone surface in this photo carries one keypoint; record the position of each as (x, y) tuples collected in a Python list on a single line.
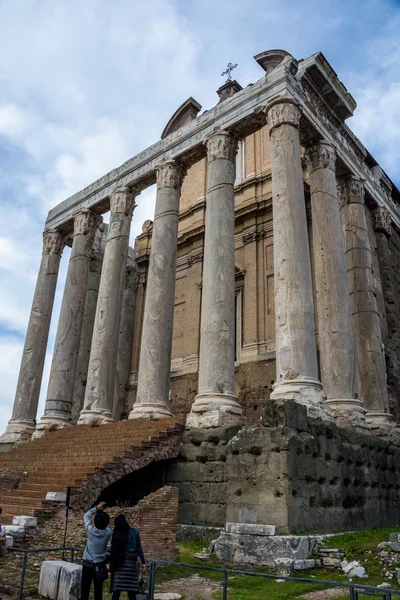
[(337, 356), (283, 566), (371, 368), (63, 367), (9, 541), (395, 546), (60, 580), (25, 521), (251, 529), (303, 564), (125, 339), (15, 531), (98, 403), (296, 354), (152, 397), (197, 532), (394, 537), (262, 550), (89, 313), (23, 419), (216, 402), (56, 496)]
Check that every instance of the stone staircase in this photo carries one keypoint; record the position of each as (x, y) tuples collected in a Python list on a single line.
[(86, 458)]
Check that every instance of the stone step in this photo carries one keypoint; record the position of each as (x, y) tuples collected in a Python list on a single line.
[(21, 500)]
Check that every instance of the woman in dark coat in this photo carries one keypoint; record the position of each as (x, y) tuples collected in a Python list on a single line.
[(125, 550)]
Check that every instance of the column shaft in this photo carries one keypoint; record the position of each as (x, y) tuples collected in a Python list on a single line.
[(125, 341), (63, 367), (370, 356), (296, 355), (98, 404), (23, 421), (337, 356), (216, 403), (155, 352), (92, 292)]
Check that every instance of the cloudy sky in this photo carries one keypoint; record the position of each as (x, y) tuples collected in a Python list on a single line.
[(85, 85)]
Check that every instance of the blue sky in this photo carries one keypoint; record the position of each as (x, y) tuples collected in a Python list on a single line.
[(86, 85)]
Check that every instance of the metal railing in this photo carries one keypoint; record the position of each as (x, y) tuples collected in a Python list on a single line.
[(355, 589), (26, 553)]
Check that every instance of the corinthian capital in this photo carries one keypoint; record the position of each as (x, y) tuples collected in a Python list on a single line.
[(320, 155), (86, 222), (170, 174), (122, 200), (350, 191), (221, 144), (53, 241), (284, 111), (382, 220)]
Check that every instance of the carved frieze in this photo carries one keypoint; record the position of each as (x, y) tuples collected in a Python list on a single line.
[(320, 155), (350, 190), (170, 174), (86, 222), (382, 220), (131, 277), (122, 200), (284, 111), (221, 144), (195, 257), (53, 241)]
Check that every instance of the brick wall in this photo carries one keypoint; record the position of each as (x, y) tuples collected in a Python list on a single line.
[(156, 517), (8, 480)]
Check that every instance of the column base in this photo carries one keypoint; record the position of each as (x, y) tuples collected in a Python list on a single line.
[(49, 422), (348, 412), (214, 410), (381, 423), (90, 417), (306, 391), (150, 410), (18, 431)]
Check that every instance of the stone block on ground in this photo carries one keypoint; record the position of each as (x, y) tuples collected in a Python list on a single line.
[(304, 564), (60, 580), (395, 546), (15, 531), (394, 537), (25, 521), (251, 529), (283, 566), (9, 541), (56, 496)]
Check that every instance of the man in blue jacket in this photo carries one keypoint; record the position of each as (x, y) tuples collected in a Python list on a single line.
[(95, 554)]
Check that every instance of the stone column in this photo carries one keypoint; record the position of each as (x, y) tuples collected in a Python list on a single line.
[(337, 356), (23, 420), (125, 340), (370, 355), (92, 292), (155, 352), (98, 404), (296, 354), (63, 367), (216, 403), (387, 267)]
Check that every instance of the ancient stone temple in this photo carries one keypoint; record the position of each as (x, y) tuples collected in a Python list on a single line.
[(260, 307)]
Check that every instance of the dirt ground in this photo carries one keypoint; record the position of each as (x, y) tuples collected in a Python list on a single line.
[(191, 588)]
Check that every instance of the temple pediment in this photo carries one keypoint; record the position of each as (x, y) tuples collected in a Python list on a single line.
[(187, 112)]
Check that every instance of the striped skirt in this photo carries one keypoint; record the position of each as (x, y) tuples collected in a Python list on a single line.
[(126, 578)]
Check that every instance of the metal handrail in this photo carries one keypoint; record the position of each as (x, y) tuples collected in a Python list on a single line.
[(354, 588)]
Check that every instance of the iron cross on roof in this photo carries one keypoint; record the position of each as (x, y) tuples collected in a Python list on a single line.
[(229, 69)]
